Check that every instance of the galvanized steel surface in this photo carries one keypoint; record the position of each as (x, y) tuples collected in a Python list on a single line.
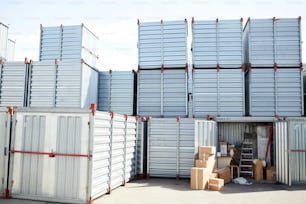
[(273, 92), (10, 54), (4, 143), (13, 80), (205, 134), (162, 44), (140, 147), (217, 43), (3, 40), (116, 92), (269, 41), (130, 155), (218, 92)]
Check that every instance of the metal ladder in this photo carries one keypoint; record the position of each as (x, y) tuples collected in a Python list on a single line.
[(246, 160)]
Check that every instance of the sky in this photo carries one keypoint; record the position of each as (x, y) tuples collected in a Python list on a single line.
[(115, 22)]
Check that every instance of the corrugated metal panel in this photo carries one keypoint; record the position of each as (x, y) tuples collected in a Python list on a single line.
[(89, 81), (275, 92), (186, 147), (217, 43), (50, 43), (104, 91), (289, 92), (68, 43), (175, 93), (205, 134), (42, 84), (4, 143), (269, 41), (281, 143), (149, 93), (297, 146), (3, 40), (162, 93), (163, 147), (13, 78), (10, 55), (116, 91), (162, 43), (218, 92), (117, 151), (130, 149), (101, 154)]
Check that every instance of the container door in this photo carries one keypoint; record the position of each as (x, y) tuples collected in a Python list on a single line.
[(4, 141), (205, 134), (281, 148)]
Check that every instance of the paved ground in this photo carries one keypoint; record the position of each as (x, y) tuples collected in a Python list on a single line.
[(170, 191)]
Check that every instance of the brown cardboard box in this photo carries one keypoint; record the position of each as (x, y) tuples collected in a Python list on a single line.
[(258, 170), (206, 151), (216, 184), (199, 178), (201, 163), (223, 148), (224, 162), (270, 173), (225, 174)]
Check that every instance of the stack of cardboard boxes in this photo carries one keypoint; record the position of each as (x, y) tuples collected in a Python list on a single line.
[(202, 175)]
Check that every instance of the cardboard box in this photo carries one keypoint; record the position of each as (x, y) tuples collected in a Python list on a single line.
[(270, 173), (225, 174), (201, 163), (199, 178), (224, 162), (258, 170), (216, 184), (223, 148), (206, 151)]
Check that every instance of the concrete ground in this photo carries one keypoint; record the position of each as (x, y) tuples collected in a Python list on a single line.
[(170, 191)]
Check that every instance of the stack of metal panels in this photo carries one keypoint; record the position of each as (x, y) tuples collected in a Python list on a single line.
[(3, 41), (162, 76), (116, 92), (218, 70), (274, 78), (68, 43), (80, 162), (162, 93)]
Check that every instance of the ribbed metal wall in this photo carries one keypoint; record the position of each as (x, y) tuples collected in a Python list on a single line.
[(140, 151), (162, 44), (130, 149), (269, 41), (297, 146), (162, 93), (68, 43), (13, 80), (116, 91), (205, 134), (217, 43), (275, 92), (218, 92)]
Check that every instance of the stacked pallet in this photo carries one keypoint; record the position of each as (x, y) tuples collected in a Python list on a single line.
[(202, 175)]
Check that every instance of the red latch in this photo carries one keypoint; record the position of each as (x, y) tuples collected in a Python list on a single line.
[(112, 114), (275, 67), (93, 108), (126, 116), (178, 119), (11, 110)]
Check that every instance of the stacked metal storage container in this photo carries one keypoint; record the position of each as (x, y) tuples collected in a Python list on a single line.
[(218, 69), (68, 43), (162, 75), (67, 155), (116, 91), (3, 40), (10, 54), (274, 76)]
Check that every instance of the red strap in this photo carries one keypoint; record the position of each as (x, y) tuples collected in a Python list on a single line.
[(51, 154), (298, 150), (268, 143)]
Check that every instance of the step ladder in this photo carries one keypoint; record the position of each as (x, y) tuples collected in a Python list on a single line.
[(246, 160)]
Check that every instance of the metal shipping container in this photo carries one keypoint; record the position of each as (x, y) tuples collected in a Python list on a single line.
[(10, 54), (14, 83), (140, 151), (162, 93), (69, 155), (66, 84), (173, 145), (162, 44), (269, 41), (3, 40), (218, 92), (68, 43), (274, 92), (116, 91), (217, 43)]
